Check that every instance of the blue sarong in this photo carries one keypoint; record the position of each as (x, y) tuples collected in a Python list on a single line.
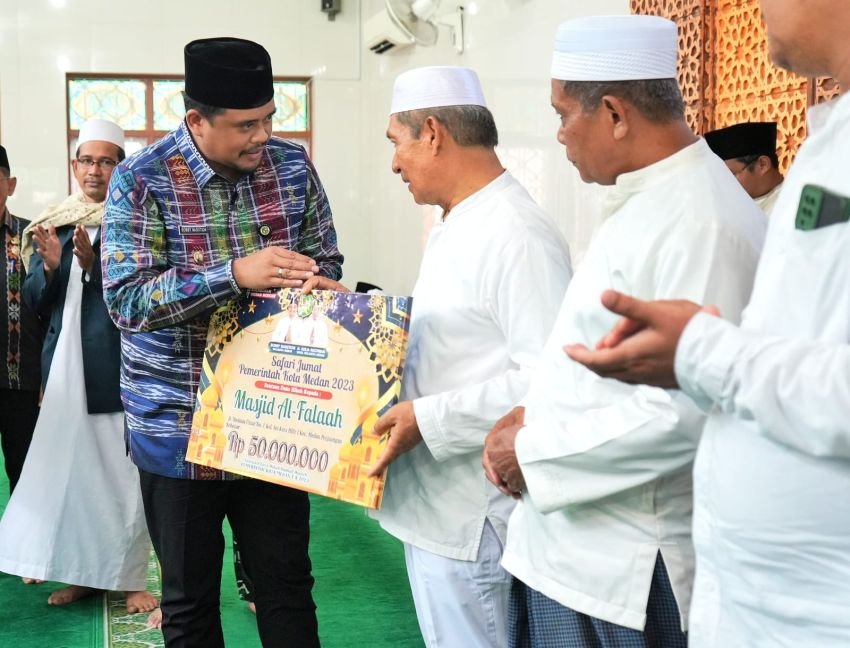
[(536, 621)]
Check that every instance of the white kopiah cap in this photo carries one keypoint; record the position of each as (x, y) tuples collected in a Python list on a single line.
[(101, 130), (615, 48), (433, 87)]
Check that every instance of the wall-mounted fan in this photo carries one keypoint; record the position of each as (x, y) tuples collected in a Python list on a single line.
[(420, 20)]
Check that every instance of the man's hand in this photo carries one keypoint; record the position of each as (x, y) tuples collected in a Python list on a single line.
[(322, 283), (403, 434), (273, 267), (48, 248), (83, 249), (499, 457), (515, 417), (641, 348)]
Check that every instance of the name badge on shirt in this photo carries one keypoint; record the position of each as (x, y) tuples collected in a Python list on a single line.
[(193, 229)]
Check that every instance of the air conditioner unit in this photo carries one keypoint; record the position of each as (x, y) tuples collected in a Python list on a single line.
[(381, 34)]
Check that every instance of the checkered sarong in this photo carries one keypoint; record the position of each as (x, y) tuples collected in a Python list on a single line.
[(536, 621)]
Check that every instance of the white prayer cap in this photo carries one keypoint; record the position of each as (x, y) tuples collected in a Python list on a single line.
[(433, 87), (101, 130), (615, 48)]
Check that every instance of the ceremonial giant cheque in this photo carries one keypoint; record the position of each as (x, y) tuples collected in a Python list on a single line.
[(292, 385)]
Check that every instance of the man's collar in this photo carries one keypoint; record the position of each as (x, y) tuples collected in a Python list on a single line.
[(198, 165), (6, 219), (201, 171)]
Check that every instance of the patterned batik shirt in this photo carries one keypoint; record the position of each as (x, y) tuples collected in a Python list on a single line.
[(171, 229), (20, 331)]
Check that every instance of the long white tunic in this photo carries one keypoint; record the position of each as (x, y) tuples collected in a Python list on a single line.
[(772, 477), (608, 465), (76, 515), (492, 276)]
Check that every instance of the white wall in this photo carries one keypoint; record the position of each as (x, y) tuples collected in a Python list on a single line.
[(380, 228)]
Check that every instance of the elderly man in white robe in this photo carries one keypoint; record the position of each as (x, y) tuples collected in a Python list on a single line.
[(494, 270), (600, 543), (771, 511)]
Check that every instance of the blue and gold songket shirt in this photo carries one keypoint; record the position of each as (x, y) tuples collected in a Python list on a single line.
[(171, 230)]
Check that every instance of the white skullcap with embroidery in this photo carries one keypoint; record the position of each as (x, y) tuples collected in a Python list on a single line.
[(434, 87), (615, 48), (101, 130)]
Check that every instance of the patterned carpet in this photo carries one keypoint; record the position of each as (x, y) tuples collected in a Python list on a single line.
[(124, 630), (361, 591)]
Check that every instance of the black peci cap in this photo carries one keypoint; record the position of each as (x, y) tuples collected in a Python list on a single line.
[(742, 140), (4, 159), (228, 73)]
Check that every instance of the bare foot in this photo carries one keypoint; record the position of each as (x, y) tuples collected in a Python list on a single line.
[(155, 619), (70, 594), (252, 606), (32, 581), (140, 602)]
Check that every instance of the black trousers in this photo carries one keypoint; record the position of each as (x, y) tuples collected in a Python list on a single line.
[(244, 587), (20, 412), (273, 525)]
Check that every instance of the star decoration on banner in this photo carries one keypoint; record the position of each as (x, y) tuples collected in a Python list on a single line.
[(252, 307), (358, 316)]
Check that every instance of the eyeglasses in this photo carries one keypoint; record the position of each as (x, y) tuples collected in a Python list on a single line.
[(103, 163), (748, 162)]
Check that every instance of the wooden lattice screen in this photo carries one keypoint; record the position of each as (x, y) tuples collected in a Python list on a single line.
[(726, 75)]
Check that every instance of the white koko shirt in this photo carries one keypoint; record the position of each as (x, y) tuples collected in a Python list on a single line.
[(772, 476), (492, 276), (767, 202), (608, 465)]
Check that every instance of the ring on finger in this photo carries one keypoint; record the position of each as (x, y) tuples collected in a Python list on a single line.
[(280, 273)]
